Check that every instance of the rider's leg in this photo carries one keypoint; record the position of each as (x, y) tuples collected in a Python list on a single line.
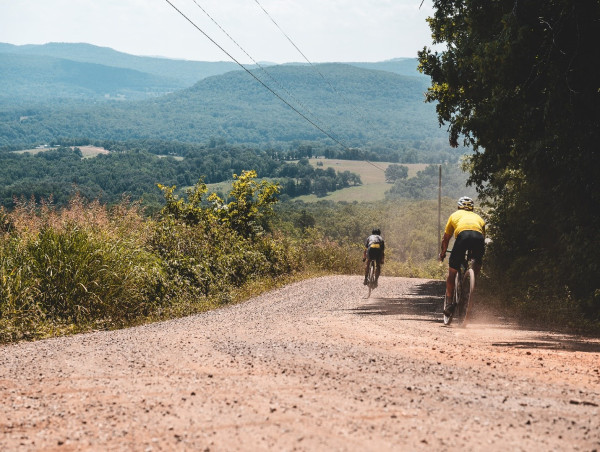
[(377, 270), (367, 272)]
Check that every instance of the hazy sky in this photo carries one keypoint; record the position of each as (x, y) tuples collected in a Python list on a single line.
[(324, 30)]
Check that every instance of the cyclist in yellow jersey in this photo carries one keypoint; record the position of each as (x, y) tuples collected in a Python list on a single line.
[(469, 230)]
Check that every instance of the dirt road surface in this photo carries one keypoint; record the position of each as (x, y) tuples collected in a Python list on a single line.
[(312, 366)]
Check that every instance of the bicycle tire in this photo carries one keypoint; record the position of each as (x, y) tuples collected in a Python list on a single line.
[(371, 278), (455, 297), (468, 287)]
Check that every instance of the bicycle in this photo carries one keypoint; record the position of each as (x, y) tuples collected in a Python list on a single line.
[(464, 285)]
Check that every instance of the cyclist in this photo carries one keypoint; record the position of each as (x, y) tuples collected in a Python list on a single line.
[(374, 250), (468, 229)]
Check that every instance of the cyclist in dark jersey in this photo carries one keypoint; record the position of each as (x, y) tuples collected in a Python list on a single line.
[(374, 250), (469, 230)]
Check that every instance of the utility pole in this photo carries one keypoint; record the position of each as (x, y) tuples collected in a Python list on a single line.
[(439, 233)]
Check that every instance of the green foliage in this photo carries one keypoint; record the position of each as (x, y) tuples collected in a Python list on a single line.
[(426, 184), (79, 268), (395, 172), (250, 207), (132, 168), (518, 81), (80, 277)]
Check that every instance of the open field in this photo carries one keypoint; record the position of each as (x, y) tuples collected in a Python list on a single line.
[(372, 176), (175, 157), (370, 173), (87, 151)]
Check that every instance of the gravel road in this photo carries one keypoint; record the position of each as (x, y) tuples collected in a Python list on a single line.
[(311, 366)]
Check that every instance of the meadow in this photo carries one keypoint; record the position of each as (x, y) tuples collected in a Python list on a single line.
[(372, 175), (86, 151)]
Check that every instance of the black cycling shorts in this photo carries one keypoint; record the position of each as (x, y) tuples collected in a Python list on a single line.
[(374, 254), (467, 240)]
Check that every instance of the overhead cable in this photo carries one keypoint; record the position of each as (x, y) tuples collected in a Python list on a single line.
[(259, 65), (255, 77), (317, 70)]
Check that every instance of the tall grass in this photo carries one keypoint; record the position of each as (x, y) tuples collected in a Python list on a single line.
[(77, 268)]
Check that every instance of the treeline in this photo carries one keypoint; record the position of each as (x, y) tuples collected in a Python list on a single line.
[(61, 172), (518, 82), (425, 185)]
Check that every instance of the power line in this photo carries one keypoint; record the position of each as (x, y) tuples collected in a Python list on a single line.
[(312, 65), (259, 65), (319, 72), (336, 140), (255, 77)]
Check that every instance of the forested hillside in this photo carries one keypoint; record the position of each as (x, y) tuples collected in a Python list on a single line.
[(374, 110)]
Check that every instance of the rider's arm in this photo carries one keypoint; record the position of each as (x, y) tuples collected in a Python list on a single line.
[(445, 241)]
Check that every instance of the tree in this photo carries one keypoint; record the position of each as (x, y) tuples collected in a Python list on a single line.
[(251, 204), (518, 82), (395, 172)]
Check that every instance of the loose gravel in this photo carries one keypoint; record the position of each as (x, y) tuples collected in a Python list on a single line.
[(311, 366)]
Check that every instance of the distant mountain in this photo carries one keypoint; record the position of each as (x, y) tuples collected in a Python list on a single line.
[(186, 73), (401, 66), (371, 107), (43, 78)]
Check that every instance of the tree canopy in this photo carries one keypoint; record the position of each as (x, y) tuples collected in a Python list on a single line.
[(518, 82)]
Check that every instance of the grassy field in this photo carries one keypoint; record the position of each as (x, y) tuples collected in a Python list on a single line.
[(372, 176), (370, 173), (86, 151)]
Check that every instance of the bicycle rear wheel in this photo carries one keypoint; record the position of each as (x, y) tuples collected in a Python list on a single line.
[(371, 278), (468, 286)]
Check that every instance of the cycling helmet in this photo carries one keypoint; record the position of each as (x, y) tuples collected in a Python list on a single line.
[(376, 231), (466, 203)]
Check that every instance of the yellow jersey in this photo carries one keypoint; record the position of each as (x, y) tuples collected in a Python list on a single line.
[(464, 220)]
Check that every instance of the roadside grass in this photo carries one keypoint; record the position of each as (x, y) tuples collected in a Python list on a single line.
[(88, 267)]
